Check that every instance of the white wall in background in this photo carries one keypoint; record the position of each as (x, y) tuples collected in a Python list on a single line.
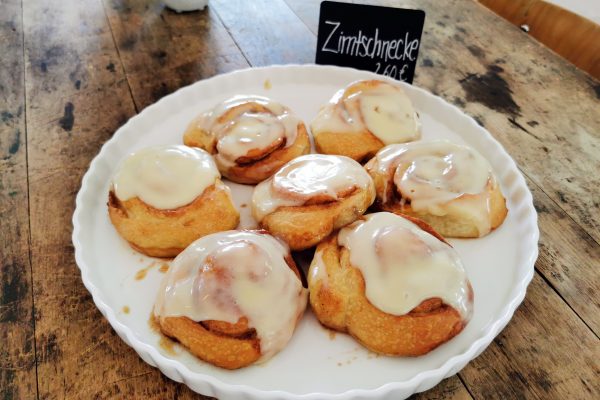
[(589, 9)]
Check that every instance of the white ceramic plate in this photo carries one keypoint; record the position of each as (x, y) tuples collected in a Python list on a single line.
[(315, 364)]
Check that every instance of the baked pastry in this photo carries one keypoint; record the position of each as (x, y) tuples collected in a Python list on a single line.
[(310, 197), (449, 186), (363, 117), (232, 298), (251, 137), (163, 198), (392, 283)]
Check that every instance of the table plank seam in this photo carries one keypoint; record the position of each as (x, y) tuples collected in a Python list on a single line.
[(130, 377), (29, 238), (583, 228), (112, 35), (516, 126), (521, 169), (537, 270), (465, 385), (232, 36), (566, 302)]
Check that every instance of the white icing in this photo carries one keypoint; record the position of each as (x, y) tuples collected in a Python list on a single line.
[(308, 176), (318, 270), (165, 177), (403, 265), (244, 124), (229, 275), (433, 174), (382, 109)]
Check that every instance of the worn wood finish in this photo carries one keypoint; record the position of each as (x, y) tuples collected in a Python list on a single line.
[(569, 261), (449, 389), (162, 51), (554, 151), (546, 145), (17, 348), (256, 26), (89, 65), (76, 98), (74, 102), (539, 106), (572, 36), (557, 143), (545, 352), (551, 128)]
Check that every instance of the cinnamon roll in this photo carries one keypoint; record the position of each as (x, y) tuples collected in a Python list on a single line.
[(232, 298), (392, 283), (250, 137), (449, 186), (162, 198), (363, 117), (311, 196)]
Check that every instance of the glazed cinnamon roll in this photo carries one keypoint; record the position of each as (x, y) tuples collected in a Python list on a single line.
[(250, 137), (449, 186), (232, 298), (392, 283), (162, 198), (363, 117), (311, 196)]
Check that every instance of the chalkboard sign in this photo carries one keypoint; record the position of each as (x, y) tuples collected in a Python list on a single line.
[(384, 40)]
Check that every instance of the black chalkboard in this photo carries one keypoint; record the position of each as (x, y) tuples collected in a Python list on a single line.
[(384, 40)]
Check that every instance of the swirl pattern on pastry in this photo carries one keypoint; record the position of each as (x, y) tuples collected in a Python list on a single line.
[(310, 196), (241, 290), (250, 137), (392, 283), (363, 117), (450, 186), (163, 198)]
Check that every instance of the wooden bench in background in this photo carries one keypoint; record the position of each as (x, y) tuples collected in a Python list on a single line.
[(572, 36)]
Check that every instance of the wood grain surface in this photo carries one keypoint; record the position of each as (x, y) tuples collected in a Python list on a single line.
[(73, 71), (17, 349)]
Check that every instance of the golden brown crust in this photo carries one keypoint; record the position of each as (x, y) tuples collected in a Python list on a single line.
[(359, 146), (304, 226), (213, 346), (220, 343), (457, 222), (239, 330), (339, 302), (328, 297), (426, 227), (165, 233), (251, 171)]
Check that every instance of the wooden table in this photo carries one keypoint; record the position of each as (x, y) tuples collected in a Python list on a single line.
[(73, 71)]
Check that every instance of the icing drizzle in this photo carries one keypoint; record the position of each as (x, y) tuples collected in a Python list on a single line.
[(248, 128), (165, 177), (229, 275), (309, 177), (432, 174), (380, 107), (403, 265)]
